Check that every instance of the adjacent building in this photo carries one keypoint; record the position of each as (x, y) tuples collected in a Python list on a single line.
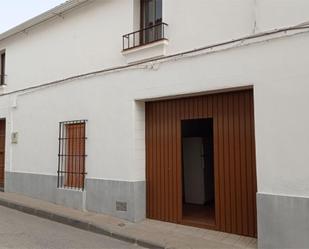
[(191, 112)]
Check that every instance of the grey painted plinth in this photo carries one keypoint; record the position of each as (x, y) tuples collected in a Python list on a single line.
[(43, 187), (102, 196), (283, 222), (99, 196), (33, 185)]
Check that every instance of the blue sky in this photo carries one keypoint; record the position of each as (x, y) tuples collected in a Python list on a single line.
[(14, 12)]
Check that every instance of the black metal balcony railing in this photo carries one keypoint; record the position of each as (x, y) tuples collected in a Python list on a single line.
[(145, 36)]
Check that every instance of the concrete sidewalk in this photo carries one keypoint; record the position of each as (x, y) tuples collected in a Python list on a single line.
[(148, 233)]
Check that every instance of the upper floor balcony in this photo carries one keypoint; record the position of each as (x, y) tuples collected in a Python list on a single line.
[(145, 36), (151, 39)]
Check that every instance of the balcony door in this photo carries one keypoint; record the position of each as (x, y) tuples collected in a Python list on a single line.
[(151, 19)]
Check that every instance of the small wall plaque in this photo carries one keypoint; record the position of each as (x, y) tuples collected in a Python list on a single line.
[(14, 137)]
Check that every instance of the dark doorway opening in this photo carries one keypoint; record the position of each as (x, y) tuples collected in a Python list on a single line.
[(198, 171)]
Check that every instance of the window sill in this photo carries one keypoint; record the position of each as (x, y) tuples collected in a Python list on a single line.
[(68, 189), (147, 51)]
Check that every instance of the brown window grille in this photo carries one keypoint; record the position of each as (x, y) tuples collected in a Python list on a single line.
[(71, 157)]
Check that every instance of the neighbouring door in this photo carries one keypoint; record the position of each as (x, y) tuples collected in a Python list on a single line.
[(2, 152), (233, 158), (194, 168)]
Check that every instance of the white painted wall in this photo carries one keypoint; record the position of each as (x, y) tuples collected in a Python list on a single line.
[(115, 127), (87, 39), (197, 23), (90, 39), (271, 14)]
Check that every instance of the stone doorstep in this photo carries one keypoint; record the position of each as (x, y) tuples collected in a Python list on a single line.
[(84, 225)]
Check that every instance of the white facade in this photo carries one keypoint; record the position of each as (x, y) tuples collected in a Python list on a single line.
[(89, 38)]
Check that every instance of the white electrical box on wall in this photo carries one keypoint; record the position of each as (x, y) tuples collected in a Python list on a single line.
[(14, 138)]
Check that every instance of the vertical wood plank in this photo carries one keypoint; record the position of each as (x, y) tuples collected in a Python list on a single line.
[(243, 162), (253, 165), (238, 195), (148, 153), (226, 164), (157, 164), (231, 140), (213, 111), (154, 162), (174, 162), (161, 149), (180, 107), (222, 204), (249, 165), (164, 163)]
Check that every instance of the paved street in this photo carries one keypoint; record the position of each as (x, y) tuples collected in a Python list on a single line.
[(23, 231)]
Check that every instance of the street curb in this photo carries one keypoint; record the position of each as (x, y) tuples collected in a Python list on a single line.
[(87, 226)]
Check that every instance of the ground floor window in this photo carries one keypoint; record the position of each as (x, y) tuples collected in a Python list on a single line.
[(72, 154)]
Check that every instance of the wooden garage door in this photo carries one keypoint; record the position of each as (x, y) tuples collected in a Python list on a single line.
[(234, 158), (2, 151)]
